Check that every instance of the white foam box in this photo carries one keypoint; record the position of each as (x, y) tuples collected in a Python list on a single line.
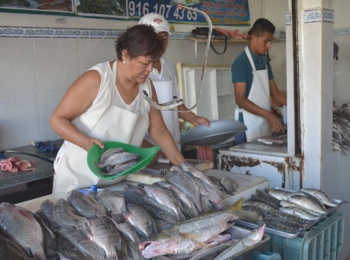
[(246, 184)]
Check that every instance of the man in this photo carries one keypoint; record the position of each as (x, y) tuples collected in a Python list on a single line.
[(164, 80), (254, 84)]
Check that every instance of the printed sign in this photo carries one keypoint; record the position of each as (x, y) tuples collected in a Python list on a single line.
[(221, 12)]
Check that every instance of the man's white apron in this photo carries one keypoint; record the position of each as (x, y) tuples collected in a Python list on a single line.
[(259, 94), (164, 90)]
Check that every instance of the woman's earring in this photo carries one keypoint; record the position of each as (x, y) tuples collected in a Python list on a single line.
[(124, 62)]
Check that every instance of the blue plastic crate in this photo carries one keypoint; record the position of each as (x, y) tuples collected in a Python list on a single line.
[(268, 256), (323, 241)]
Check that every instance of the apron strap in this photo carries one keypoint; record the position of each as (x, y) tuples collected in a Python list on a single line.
[(250, 58)]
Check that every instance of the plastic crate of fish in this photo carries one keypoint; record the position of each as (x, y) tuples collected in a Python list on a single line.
[(268, 256), (323, 241)]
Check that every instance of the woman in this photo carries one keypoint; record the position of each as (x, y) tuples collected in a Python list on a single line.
[(106, 104)]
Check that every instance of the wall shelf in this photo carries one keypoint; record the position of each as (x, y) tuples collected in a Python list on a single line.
[(196, 40)]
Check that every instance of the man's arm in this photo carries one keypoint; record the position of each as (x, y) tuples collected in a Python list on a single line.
[(276, 94), (246, 104)]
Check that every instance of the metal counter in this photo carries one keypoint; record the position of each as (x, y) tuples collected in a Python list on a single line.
[(25, 185)]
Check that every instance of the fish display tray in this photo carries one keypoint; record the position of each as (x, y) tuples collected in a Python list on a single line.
[(292, 235), (323, 241)]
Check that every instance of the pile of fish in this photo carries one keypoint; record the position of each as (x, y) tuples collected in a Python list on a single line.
[(341, 129), (167, 217), (287, 211), (115, 161)]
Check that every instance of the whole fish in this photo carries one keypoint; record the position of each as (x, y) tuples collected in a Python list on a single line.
[(46, 213), (133, 251), (114, 203), (67, 249), (123, 253), (66, 216), (118, 158), (49, 239), (10, 250), (322, 196), (85, 205), (166, 197), (110, 152), (266, 196), (307, 203), (190, 207), (284, 225), (77, 248), (129, 232), (213, 193), (285, 203), (300, 213), (211, 252), (189, 235), (20, 225), (119, 168), (138, 195), (269, 211), (251, 239), (185, 183), (260, 199), (141, 220), (229, 184), (216, 181), (106, 235), (282, 194)]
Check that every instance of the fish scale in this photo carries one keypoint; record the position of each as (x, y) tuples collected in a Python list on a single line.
[(187, 185)]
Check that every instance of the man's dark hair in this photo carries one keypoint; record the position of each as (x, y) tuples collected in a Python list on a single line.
[(261, 26), (140, 40)]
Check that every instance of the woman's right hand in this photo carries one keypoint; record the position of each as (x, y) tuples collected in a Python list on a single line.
[(90, 142)]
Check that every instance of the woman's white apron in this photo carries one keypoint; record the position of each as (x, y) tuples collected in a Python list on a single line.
[(115, 124)]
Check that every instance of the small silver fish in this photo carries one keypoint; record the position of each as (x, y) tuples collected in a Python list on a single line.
[(322, 196), (300, 213), (305, 202)]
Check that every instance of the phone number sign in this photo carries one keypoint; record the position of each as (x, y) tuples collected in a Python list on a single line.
[(221, 12)]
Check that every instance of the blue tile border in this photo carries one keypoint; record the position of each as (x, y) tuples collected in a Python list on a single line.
[(318, 15), (288, 19), (43, 32)]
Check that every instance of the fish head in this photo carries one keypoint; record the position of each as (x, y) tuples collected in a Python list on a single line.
[(172, 246), (256, 235)]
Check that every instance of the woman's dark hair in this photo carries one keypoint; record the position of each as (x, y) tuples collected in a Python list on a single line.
[(140, 40), (261, 26)]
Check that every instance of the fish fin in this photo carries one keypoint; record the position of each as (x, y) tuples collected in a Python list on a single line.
[(200, 244), (237, 206)]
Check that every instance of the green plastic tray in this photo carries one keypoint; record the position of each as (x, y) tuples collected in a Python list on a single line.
[(94, 154)]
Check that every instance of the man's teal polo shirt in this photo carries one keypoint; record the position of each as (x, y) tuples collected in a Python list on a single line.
[(241, 70)]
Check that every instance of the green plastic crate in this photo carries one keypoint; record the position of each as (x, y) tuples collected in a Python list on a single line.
[(323, 241)]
